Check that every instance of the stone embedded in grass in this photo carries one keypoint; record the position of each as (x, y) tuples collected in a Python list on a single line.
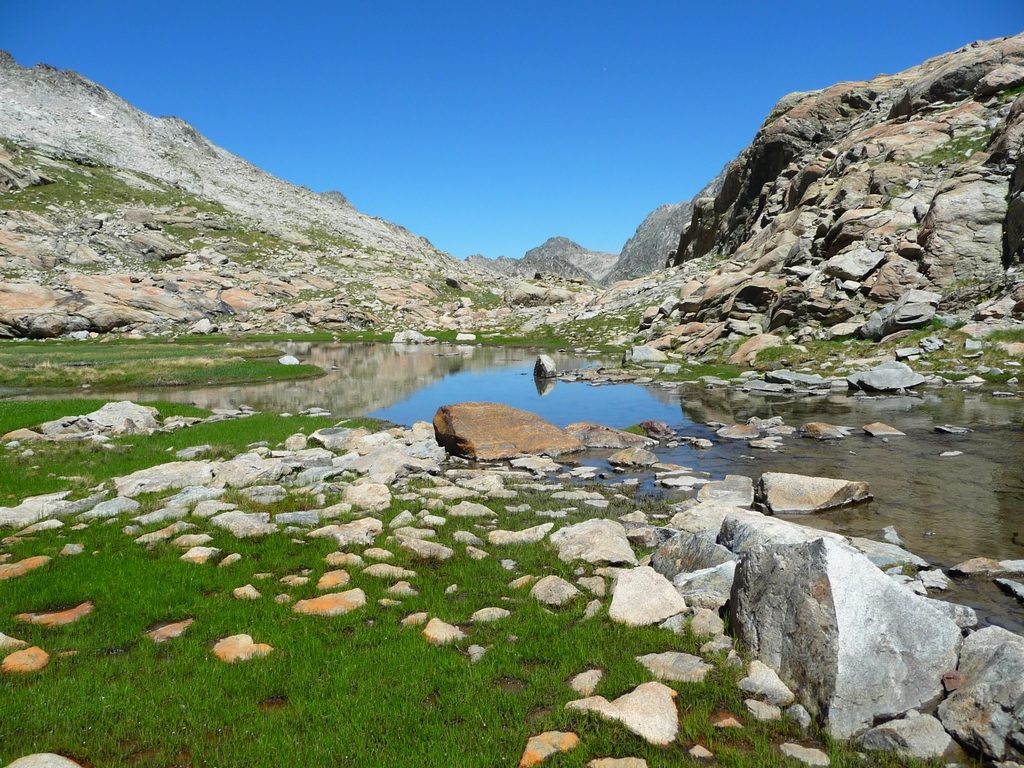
[(201, 555), (164, 534), (231, 559), (374, 497), (244, 525), (706, 623), (805, 755), (471, 509), (700, 752), (725, 719), (283, 598), (426, 550), (476, 554), (44, 760), (334, 604), (540, 748), (71, 550), (189, 540), (388, 572), (594, 541), (57, 618), (20, 568), (378, 553), (762, 711), (294, 580), (402, 589), (554, 590), (6, 641), (649, 711), (676, 666), (525, 536), (165, 477), (618, 762), (28, 660), (522, 581), (336, 559), (247, 592), (585, 683), (360, 532), (593, 584), (642, 596), (763, 681), (239, 648), (489, 614), (438, 632), (415, 619), (593, 608), (333, 580), (475, 653), (169, 631)]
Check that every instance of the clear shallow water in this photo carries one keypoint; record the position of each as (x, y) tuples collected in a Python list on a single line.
[(946, 509)]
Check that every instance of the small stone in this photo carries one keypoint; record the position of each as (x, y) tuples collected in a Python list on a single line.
[(706, 622), (57, 618), (649, 711), (762, 680), (676, 666), (698, 752), (402, 589), (799, 715), (725, 719), (248, 592), (489, 614), (761, 711), (805, 755), (70, 550), (388, 572), (414, 619), (475, 653), (202, 555), (336, 559), (618, 762), (294, 580), (23, 662), (540, 748), (438, 632), (169, 631), (593, 608), (333, 604), (585, 683), (554, 591), (239, 648), (231, 559), (333, 580), (642, 596), (20, 568)]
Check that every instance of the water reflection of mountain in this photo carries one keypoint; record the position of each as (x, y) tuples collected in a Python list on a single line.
[(359, 378)]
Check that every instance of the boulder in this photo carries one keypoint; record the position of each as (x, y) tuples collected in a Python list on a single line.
[(632, 457), (165, 477), (544, 368), (643, 354), (599, 436), (854, 645), (987, 711), (489, 431), (911, 310), (916, 736), (784, 493), (649, 711), (43, 760), (887, 377), (594, 541), (642, 596)]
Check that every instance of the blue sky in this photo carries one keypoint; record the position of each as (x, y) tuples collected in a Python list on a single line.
[(485, 126)]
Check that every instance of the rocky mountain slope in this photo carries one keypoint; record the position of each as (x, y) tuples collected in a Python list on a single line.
[(111, 219), (557, 256), (866, 208), (657, 237)]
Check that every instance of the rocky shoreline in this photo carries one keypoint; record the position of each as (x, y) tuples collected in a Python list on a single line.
[(828, 632)]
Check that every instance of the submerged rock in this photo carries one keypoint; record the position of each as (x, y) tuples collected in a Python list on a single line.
[(784, 493)]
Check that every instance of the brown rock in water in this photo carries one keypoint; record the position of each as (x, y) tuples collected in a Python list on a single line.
[(29, 660), (599, 436), (784, 493), (488, 431), (20, 568), (58, 618)]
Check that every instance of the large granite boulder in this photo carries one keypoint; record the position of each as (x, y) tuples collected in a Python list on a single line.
[(887, 377), (488, 431), (987, 711), (855, 646), (594, 541)]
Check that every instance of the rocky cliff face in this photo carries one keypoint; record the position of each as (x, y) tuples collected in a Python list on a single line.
[(851, 197), (656, 239), (111, 219)]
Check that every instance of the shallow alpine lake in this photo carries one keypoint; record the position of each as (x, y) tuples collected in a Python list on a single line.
[(946, 510)]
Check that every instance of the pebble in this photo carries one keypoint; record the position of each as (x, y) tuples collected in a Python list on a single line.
[(239, 648), (248, 592), (438, 632), (805, 755)]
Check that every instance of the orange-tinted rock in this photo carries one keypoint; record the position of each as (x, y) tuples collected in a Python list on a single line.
[(333, 579), (334, 604), (20, 568), (29, 660), (540, 748), (239, 648), (489, 431), (169, 631), (57, 618)]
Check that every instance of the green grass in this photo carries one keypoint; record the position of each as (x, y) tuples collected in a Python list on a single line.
[(1006, 335), (957, 149), (351, 690), (108, 363)]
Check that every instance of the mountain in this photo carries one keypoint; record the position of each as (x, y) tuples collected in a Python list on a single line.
[(112, 219), (657, 237), (558, 256), (867, 207)]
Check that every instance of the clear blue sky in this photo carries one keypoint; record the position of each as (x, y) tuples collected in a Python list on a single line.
[(489, 126)]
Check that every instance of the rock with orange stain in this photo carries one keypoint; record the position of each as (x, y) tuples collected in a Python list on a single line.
[(20, 568), (333, 579), (540, 748), (169, 631), (334, 604), (239, 648), (29, 660), (57, 618)]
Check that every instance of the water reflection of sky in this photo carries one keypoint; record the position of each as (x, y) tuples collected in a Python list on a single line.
[(563, 403)]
